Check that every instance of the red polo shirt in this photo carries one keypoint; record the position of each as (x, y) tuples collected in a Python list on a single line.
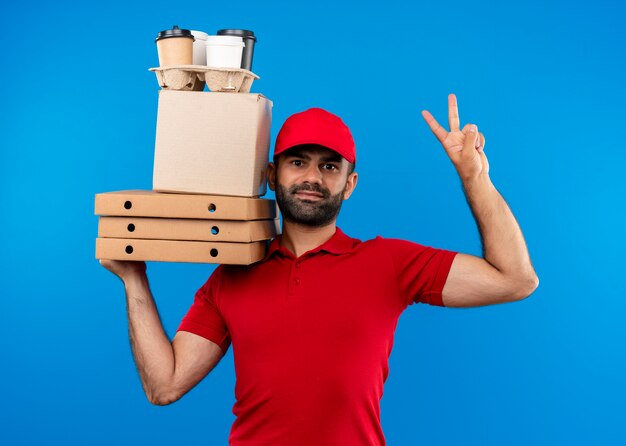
[(311, 336)]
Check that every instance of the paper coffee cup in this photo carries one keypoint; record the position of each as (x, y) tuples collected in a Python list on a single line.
[(175, 47), (199, 47), (224, 51)]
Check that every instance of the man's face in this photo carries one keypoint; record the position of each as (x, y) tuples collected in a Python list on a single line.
[(311, 183)]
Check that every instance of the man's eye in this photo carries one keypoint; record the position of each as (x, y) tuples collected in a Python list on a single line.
[(330, 167), (297, 162)]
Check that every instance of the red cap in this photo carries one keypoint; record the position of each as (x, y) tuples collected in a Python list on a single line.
[(316, 126)]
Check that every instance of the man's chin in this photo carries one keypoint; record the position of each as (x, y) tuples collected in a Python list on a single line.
[(313, 211), (308, 201), (308, 214)]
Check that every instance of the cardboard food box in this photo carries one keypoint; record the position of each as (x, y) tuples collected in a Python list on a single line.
[(187, 229), (180, 251), (212, 143), (145, 203)]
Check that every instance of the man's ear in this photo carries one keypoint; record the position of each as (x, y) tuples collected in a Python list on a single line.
[(271, 176), (350, 185)]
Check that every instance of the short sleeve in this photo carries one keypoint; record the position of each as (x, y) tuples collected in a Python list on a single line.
[(421, 270), (203, 317)]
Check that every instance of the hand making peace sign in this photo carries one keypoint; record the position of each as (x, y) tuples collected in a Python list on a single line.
[(464, 147)]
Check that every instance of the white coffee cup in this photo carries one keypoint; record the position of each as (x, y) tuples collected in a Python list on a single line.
[(199, 47), (224, 51)]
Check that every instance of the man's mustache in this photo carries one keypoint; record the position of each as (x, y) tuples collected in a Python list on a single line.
[(309, 188)]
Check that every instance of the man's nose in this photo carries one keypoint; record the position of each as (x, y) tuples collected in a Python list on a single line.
[(313, 174)]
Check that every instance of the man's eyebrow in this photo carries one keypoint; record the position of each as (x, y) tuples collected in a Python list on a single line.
[(332, 158), (298, 154)]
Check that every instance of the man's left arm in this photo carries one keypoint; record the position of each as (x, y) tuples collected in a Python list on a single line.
[(505, 273)]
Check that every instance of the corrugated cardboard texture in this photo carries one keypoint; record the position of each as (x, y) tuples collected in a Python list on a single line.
[(180, 251), (145, 203), (212, 143), (188, 229)]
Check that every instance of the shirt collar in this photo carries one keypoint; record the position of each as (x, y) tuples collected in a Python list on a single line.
[(339, 243)]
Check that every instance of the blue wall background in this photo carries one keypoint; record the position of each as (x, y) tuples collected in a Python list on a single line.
[(544, 83)]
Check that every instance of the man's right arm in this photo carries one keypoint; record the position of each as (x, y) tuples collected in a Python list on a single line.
[(167, 370)]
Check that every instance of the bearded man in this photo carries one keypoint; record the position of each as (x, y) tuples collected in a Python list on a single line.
[(312, 324)]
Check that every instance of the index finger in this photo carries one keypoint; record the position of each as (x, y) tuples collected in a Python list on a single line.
[(439, 131)]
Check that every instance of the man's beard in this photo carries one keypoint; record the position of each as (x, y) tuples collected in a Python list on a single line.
[(314, 213)]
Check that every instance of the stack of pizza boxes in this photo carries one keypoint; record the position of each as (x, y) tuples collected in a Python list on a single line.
[(210, 166)]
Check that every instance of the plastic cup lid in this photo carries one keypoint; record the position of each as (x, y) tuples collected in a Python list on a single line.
[(199, 34), (174, 32), (246, 34)]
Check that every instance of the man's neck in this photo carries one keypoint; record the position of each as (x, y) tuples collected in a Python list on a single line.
[(299, 239)]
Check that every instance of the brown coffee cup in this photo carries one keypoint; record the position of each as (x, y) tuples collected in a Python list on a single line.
[(175, 47)]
